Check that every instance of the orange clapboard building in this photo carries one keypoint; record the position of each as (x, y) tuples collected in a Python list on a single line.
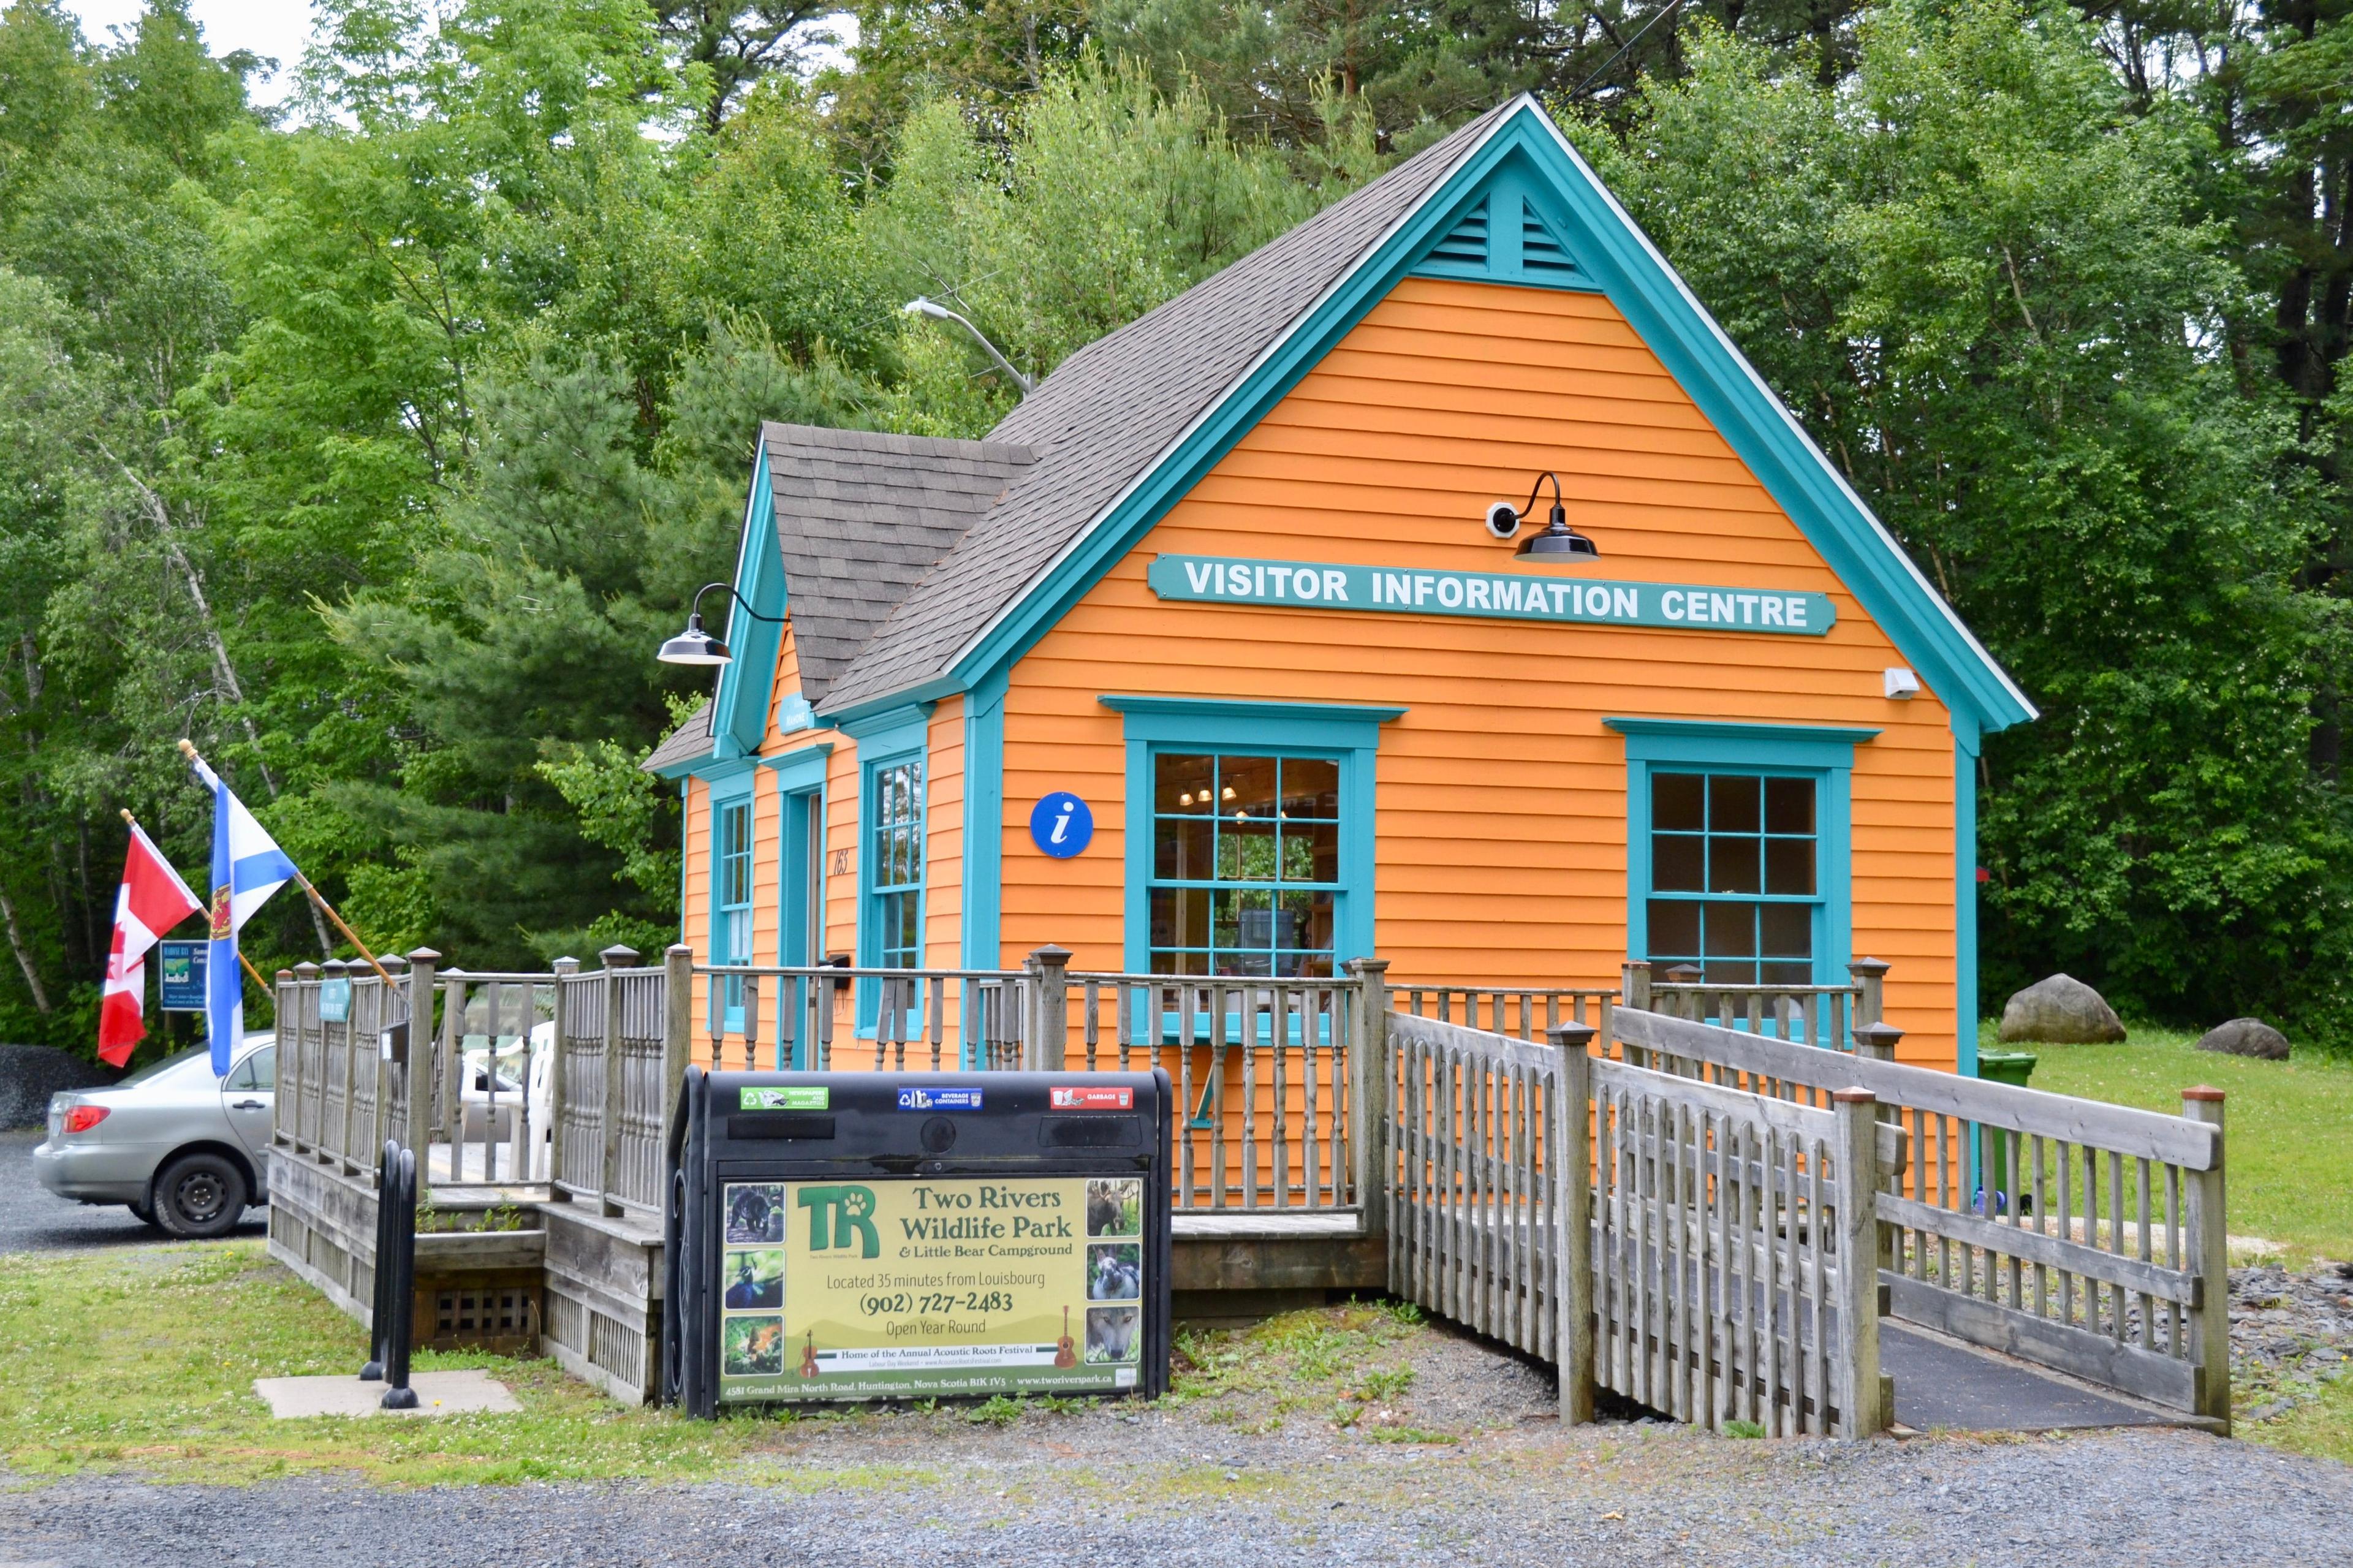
[(1218, 655)]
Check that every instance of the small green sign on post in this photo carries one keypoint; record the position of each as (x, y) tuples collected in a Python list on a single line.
[(335, 1001)]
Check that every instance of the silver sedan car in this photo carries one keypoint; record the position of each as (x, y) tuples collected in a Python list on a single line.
[(181, 1148)]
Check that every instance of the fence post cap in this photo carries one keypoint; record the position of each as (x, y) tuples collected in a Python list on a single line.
[(1685, 974), (423, 955), (2203, 1092), (1867, 967), (285, 975), (1879, 1033), (1051, 956), (620, 955), (334, 966), (566, 966), (679, 949), (1369, 966), (1572, 1036), (306, 971), (1853, 1097)]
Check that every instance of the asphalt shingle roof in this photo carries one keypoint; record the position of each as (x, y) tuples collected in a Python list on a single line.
[(1113, 409), (688, 742), (861, 517)]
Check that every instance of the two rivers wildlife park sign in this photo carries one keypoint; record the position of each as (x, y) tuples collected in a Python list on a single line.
[(1512, 596)]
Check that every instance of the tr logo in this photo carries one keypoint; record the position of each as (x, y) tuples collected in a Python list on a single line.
[(837, 1215)]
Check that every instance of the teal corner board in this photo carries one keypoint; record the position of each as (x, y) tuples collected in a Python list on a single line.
[(739, 714), (1525, 155)]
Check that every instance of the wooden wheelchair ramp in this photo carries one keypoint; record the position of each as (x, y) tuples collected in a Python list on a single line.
[(1730, 1227)]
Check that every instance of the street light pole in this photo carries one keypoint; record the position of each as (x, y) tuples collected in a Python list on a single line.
[(932, 310)]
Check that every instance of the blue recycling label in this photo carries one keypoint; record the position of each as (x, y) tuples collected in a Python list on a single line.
[(939, 1100)]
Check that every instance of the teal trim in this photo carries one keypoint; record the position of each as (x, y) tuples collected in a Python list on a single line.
[(739, 714), (797, 922), (1965, 904), (1504, 238), (802, 768), (1824, 752), (1708, 739), (1349, 733), (984, 824), (718, 772), (885, 738), (736, 789), (1604, 243), (1210, 720)]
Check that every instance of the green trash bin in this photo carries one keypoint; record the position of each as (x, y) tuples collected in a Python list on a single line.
[(2000, 1177)]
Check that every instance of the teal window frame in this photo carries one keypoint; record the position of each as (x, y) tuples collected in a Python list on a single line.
[(1346, 734), (887, 741), (729, 794), (1824, 753)]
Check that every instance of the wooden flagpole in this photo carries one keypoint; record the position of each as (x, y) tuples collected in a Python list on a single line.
[(188, 749)]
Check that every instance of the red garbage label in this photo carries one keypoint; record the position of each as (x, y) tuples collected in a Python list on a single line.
[(1071, 1099)]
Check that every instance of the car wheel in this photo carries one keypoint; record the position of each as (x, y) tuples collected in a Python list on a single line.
[(144, 1215), (200, 1195)]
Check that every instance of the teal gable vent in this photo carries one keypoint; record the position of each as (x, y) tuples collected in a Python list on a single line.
[(1504, 239)]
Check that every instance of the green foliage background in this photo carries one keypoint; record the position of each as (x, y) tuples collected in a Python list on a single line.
[(371, 441)]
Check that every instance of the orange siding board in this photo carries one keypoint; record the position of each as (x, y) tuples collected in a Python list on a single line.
[(1500, 828), (944, 838)]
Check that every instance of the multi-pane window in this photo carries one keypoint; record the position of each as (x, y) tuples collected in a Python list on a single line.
[(735, 883), (1246, 873), (1735, 877), (895, 864)]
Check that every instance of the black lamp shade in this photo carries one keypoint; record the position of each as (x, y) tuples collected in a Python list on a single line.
[(694, 645)]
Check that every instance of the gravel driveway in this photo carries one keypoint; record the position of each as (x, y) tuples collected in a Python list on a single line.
[(1091, 1490), (35, 1219)]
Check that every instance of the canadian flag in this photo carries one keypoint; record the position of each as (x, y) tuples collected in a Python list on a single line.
[(153, 901)]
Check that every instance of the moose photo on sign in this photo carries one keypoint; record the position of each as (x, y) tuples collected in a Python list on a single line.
[(1114, 1206)]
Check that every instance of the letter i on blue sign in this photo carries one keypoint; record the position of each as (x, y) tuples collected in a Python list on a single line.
[(1061, 824)]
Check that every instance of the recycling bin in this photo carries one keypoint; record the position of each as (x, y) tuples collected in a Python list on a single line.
[(2001, 1173), (855, 1236)]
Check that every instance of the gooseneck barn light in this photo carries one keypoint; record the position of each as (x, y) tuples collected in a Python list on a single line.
[(1558, 539), (933, 311), (695, 645)]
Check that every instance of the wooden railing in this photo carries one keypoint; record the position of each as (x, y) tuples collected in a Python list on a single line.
[(1266, 1074), (1521, 1012), (1837, 1017), (1680, 1244), (2087, 1237), (835, 1018), (334, 1075)]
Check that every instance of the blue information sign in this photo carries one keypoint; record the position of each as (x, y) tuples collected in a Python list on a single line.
[(180, 965), (1061, 824)]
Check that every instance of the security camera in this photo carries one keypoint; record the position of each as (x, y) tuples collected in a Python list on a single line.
[(1502, 518)]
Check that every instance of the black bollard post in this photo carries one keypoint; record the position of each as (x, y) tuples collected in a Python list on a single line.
[(397, 1394), (378, 1318)]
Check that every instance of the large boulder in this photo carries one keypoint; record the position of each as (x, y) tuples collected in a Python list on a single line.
[(30, 1074), (2245, 1037), (2061, 1011)]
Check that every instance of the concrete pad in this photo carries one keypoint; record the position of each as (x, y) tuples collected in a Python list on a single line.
[(437, 1393)]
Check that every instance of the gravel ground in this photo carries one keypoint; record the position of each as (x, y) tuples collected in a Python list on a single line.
[(1093, 1490), (2289, 1333), (35, 1219)]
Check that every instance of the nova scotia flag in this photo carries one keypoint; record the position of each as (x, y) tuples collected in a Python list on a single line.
[(248, 866)]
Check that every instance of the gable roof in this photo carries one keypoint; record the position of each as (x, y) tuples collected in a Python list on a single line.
[(861, 517), (1127, 424), (1113, 409)]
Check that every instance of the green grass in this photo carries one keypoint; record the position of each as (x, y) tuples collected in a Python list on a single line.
[(144, 1360), (2289, 1131)]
